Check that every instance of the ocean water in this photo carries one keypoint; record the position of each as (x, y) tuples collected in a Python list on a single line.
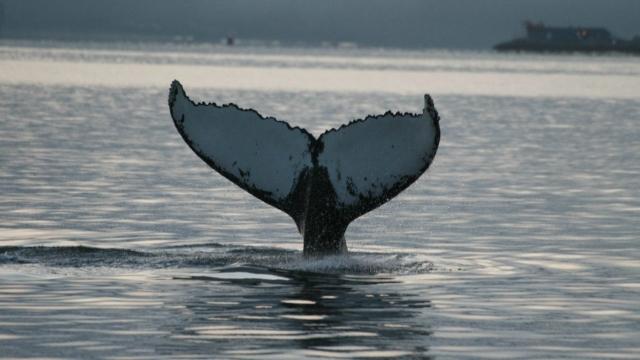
[(521, 241)]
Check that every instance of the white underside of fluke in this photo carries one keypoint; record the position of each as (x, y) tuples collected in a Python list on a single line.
[(367, 158), (261, 152), (368, 161)]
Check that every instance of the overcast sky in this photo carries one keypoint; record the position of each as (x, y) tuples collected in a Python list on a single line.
[(395, 23)]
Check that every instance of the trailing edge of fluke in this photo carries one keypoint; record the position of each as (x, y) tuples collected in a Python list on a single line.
[(323, 183)]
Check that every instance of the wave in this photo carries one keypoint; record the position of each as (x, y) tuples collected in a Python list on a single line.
[(215, 256)]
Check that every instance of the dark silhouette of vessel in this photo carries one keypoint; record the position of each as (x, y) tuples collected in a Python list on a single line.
[(542, 38)]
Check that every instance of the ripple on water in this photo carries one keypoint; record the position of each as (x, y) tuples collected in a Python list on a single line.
[(193, 302), (218, 256)]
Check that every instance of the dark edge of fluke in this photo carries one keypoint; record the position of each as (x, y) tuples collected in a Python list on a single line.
[(262, 195), (176, 86)]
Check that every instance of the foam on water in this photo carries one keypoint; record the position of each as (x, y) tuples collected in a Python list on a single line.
[(215, 258)]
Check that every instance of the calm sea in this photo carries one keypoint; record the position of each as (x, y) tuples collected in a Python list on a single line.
[(521, 241)]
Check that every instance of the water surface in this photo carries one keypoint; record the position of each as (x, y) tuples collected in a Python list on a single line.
[(116, 241)]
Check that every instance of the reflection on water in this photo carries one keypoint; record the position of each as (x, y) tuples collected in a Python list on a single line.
[(297, 70), (328, 316), (229, 311), (211, 55)]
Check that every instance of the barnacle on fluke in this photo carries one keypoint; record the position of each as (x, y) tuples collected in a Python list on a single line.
[(323, 184)]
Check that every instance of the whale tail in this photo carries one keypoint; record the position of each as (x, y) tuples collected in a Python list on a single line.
[(324, 183)]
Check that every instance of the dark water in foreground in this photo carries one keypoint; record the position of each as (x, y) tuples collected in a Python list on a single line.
[(520, 242), (97, 302)]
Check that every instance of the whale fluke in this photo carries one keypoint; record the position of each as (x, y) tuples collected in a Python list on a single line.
[(324, 183)]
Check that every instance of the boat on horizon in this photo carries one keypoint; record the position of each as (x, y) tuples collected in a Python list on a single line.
[(542, 38)]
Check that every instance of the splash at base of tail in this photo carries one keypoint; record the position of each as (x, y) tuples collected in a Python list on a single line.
[(323, 184)]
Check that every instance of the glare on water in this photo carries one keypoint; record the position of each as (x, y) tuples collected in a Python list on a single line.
[(117, 241)]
